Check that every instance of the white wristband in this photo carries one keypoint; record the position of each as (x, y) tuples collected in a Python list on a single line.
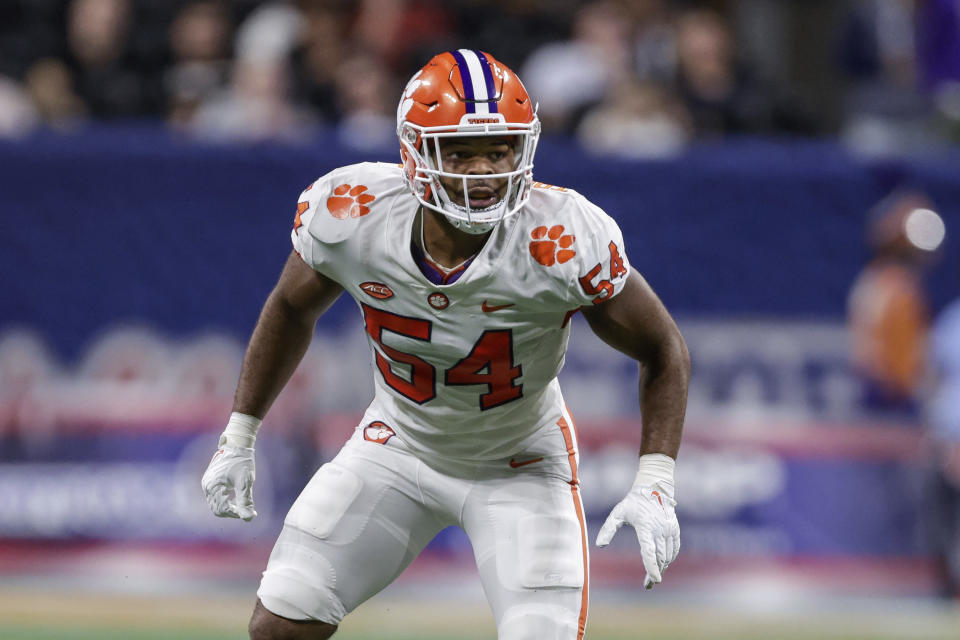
[(241, 431), (656, 469)]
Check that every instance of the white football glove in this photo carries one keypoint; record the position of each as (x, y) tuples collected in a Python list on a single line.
[(228, 481), (648, 508)]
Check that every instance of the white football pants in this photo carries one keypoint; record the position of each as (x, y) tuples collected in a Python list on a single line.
[(368, 513)]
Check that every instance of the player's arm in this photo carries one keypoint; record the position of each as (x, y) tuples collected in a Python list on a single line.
[(282, 334), (280, 338), (636, 323)]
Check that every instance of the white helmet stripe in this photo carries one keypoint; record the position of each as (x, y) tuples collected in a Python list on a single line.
[(477, 80)]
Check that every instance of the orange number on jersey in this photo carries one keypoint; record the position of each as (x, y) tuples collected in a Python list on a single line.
[(493, 352), (421, 387), (603, 289), (301, 207), (616, 262)]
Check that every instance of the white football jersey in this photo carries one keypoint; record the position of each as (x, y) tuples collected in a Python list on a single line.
[(466, 370)]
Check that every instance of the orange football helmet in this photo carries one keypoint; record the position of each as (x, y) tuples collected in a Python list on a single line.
[(465, 93)]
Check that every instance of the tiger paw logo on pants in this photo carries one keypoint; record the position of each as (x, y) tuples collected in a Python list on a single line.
[(551, 246), (378, 432), (349, 202)]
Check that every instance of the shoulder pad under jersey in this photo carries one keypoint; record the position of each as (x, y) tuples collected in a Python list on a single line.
[(333, 207)]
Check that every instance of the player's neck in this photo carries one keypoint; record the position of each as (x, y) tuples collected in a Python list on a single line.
[(447, 245)]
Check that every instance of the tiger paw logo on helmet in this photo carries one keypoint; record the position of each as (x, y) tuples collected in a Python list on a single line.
[(349, 201), (551, 246)]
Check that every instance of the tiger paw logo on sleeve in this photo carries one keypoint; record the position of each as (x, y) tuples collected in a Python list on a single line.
[(551, 246), (348, 201)]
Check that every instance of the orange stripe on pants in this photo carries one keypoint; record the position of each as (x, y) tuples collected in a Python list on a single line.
[(568, 438)]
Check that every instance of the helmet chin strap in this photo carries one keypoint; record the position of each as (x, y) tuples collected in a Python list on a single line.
[(473, 228)]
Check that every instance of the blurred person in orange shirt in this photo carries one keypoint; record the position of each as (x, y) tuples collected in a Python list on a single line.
[(888, 310)]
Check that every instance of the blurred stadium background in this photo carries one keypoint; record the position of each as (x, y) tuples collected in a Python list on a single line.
[(151, 155)]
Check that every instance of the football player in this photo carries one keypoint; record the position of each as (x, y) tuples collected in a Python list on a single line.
[(466, 273)]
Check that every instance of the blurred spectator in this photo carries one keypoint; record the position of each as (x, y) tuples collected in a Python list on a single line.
[(136, 59), (654, 38), (722, 95), (256, 107), (878, 42), (509, 29), (50, 85), (365, 92), (269, 33), (29, 30), (938, 58), (200, 46), (635, 120), (17, 114), (885, 113), (318, 56), (943, 417), (403, 34), (763, 36), (105, 77), (888, 311), (568, 77), (259, 103)]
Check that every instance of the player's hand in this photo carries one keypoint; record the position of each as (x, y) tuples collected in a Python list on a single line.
[(228, 483), (649, 509)]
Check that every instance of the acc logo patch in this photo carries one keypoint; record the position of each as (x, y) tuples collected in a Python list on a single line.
[(378, 290), (349, 202), (378, 432), (438, 301)]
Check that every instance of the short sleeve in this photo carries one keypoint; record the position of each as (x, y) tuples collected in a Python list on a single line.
[(303, 242), (601, 257), (321, 224)]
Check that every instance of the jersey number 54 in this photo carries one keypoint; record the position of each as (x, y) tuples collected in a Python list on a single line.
[(489, 363)]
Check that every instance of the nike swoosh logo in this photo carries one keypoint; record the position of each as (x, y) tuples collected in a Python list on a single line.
[(516, 465), (487, 308)]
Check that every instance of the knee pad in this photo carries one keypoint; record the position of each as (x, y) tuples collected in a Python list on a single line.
[(299, 580), (538, 622)]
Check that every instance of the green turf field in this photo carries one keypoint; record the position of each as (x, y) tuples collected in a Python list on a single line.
[(683, 632), (40, 615)]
